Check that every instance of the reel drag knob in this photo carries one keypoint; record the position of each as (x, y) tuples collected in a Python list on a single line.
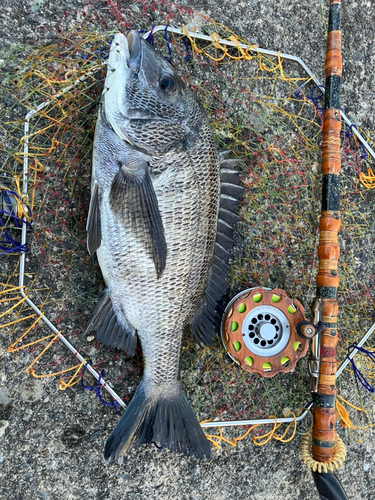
[(306, 330)]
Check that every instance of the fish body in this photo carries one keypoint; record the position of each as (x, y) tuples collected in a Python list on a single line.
[(155, 201)]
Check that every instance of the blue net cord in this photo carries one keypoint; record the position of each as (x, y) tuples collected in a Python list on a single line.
[(187, 57), (313, 97), (7, 243), (170, 60), (169, 47), (151, 41), (150, 38), (96, 388), (5, 195), (359, 377)]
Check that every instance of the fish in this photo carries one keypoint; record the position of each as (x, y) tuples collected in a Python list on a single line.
[(160, 220)]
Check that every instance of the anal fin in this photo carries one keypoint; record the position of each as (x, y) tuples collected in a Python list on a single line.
[(109, 331)]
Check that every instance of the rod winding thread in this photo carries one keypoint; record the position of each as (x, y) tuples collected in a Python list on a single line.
[(336, 461)]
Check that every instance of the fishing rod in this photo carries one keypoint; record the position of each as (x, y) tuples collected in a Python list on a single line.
[(325, 306), (327, 449), (266, 332)]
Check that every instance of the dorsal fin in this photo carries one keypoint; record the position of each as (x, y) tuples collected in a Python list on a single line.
[(223, 153), (231, 189), (206, 322), (229, 175), (228, 202)]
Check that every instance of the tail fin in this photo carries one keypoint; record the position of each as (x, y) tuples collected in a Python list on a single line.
[(167, 422)]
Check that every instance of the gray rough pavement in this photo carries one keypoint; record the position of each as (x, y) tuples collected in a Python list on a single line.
[(52, 446)]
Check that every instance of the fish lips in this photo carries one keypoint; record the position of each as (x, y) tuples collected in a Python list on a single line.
[(123, 63), (125, 50)]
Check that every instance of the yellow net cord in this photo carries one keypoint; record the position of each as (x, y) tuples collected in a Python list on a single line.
[(12, 348), (368, 181), (343, 416), (345, 421), (263, 439), (350, 404), (21, 210), (260, 440), (75, 378), (62, 385), (221, 51)]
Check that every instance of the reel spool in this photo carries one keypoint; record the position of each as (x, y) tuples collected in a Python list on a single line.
[(259, 332)]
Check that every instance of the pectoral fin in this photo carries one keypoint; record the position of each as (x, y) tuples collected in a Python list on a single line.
[(134, 201), (93, 226)]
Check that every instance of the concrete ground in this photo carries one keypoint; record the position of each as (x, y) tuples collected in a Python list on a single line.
[(51, 446)]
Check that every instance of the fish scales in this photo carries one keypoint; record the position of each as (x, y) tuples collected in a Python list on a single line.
[(160, 308), (153, 222)]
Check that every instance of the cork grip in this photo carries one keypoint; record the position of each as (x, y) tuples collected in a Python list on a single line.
[(324, 434)]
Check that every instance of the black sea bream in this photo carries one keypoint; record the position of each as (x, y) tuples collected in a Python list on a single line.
[(154, 217)]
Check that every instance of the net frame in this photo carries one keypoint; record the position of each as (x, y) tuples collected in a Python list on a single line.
[(101, 381)]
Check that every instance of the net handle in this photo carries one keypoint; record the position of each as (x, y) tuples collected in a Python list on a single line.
[(324, 400)]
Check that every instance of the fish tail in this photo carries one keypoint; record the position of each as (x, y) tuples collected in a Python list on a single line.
[(168, 422)]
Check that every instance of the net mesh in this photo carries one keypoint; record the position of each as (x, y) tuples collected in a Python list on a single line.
[(266, 111)]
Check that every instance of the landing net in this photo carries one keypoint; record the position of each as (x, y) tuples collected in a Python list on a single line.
[(267, 111)]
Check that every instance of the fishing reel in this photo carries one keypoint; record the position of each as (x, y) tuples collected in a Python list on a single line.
[(265, 331)]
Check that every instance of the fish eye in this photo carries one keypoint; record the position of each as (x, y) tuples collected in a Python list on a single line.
[(167, 83)]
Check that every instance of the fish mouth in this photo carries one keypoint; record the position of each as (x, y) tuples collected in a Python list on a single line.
[(126, 49), (124, 61)]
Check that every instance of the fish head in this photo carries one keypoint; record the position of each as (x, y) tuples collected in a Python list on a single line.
[(145, 101)]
